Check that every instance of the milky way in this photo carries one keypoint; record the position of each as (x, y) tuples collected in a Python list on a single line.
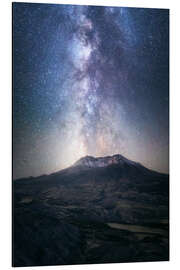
[(89, 81)]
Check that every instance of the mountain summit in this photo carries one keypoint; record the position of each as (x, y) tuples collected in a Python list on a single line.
[(93, 162), (101, 209)]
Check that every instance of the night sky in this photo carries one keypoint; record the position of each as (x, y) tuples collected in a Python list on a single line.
[(89, 81)]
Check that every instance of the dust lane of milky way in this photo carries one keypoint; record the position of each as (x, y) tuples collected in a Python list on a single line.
[(89, 81)]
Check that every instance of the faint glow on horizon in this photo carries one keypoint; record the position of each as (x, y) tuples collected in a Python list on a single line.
[(86, 86)]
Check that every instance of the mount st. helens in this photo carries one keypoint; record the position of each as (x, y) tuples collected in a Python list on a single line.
[(106, 209)]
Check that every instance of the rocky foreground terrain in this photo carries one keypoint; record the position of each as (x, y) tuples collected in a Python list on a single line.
[(101, 210)]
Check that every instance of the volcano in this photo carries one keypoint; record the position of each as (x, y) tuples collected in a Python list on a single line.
[(105, 209)]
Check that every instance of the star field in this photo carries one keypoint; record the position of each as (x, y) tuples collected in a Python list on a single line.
[(89, 81)]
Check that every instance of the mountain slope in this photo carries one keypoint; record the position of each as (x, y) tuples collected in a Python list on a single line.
[(97, 205)]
